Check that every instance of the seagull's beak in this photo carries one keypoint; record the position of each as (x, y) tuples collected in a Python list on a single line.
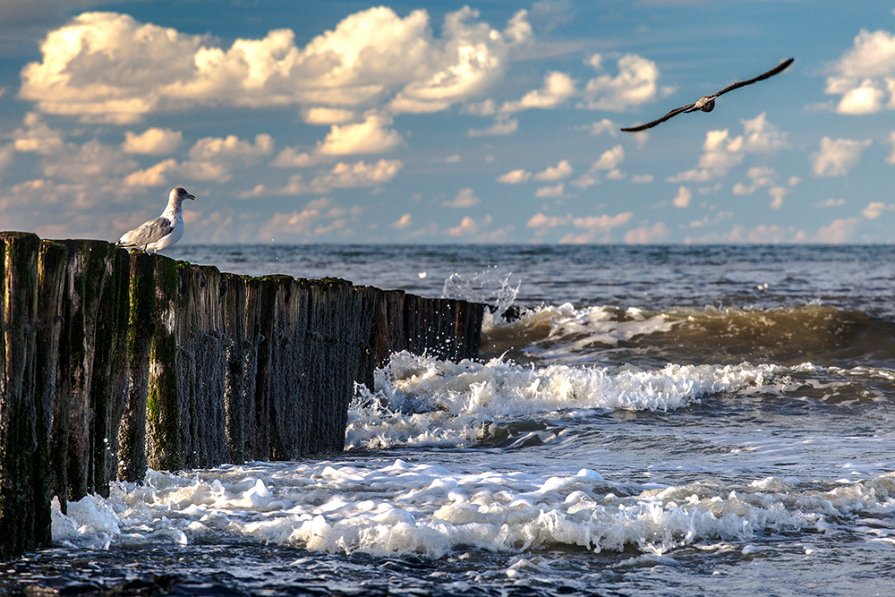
[(193, 197)]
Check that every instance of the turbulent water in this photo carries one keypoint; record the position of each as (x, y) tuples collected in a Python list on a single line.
[(643, 420)]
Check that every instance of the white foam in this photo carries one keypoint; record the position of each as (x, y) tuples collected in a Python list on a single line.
[(424, 401), (434, 510)]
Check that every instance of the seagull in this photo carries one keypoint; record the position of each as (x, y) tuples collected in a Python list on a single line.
[(163, 231), (707, 102)]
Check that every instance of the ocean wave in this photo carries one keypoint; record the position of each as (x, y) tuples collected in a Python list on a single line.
[(424, 401), (416, 508), (786, 335)]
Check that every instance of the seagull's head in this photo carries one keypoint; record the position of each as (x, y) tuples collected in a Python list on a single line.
[(179, 194)]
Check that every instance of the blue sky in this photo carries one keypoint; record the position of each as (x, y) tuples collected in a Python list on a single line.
[(449, 122)]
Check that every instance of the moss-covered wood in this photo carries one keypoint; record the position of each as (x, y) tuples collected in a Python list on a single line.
[(112, 362)]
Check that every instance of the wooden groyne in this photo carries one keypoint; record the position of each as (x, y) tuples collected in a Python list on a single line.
[(112, 362)]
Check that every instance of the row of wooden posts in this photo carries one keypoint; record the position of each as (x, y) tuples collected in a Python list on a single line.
[(112, 362)]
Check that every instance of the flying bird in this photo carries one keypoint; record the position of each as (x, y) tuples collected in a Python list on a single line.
[(163, 231), (707, 102)]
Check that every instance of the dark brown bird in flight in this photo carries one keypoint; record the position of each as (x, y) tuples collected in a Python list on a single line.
[(707, 102)]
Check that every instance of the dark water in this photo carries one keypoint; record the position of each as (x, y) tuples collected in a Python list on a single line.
[(658, 420)]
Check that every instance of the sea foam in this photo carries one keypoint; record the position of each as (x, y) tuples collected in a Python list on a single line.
[(431, 510), (421, 400)]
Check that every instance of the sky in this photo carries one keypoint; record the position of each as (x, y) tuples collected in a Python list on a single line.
[(447, 122)]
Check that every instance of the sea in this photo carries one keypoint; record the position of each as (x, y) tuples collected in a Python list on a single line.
[(642, 420)]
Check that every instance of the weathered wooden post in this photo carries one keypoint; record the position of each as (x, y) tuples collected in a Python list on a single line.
[(113, 362)]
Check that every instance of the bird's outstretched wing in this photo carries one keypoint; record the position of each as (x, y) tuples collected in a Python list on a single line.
[(777, 69), (651, 124), (146, 233)]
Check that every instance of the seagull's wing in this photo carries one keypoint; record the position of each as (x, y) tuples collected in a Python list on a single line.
[(777, 69), (146, 233), (651, 124)]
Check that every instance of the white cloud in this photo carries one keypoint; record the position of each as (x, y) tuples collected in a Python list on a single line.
[(319, 218), (36, 136), (6, 153), (503, 125), (875, 209), (290, 157), (762, 136), (93, 160), (592, 228), (647, 234), (468, 226), (321, 115), (515, 176), (557, 172), (359, 174), (759, 176), (778, 194), (404, 222), (721, 152), (369, 136), (642, 178), (557, 88), (831, 202), (635, 83), (371, 58), (610, 159), (604, 126), (550, 191), (766, 234), (865, 74), (837, 156), (210, 159), (464, 198), (152, 141), (838, 232), (683, 197)]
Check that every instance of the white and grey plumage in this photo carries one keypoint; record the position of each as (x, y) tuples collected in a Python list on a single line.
[(707, 102), (163, 231)]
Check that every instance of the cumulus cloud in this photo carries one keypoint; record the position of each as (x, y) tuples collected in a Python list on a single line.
[(721, 152), (610, 159), (836, 157), (647, 234), (369, 136), (516, 176), (152, 141), (109, 67), (551, 191), (210, 159), (503, 125), (635, 83), (875, 209), (36, 136), (864, 77), (464, 198), (557, 172), (557, 88), (682, 198), (404, 222), (468, 226), (604, 126), (319, 218), (318, 115), (587, 228), (838, 231), (759, 176), (343, 175)]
